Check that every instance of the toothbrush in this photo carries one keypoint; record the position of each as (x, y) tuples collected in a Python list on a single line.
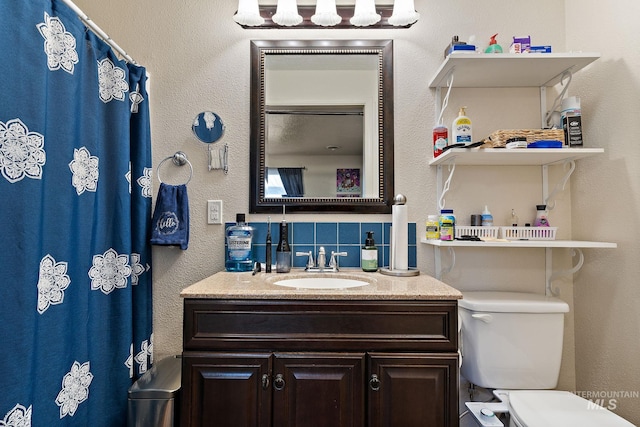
[(267, 267)]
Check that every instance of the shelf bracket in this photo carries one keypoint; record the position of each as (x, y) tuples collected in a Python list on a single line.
[(440, 271), (441, 104), (543, 107), (443, 188), (551, 291), (438, 102), (560, 186)]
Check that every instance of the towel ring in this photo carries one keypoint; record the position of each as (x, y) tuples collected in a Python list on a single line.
[(179, 159)]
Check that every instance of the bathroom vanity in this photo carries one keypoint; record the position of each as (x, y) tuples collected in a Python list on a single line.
[(259, 354)]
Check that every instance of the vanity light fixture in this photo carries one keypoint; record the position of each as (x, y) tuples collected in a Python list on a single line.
[(248, 13), (287, 13), (404, 13), (365, 14), (326, 14)]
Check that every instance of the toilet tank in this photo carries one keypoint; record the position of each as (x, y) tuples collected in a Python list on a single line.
[(511, 340)]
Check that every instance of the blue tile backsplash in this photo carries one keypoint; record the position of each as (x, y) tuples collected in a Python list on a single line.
[(346, 237)]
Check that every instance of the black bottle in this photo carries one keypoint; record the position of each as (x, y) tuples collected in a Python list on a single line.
[(283, 251)]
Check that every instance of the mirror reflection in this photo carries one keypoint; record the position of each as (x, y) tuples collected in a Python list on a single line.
[(322, 126), (319, 151), (208, 127)]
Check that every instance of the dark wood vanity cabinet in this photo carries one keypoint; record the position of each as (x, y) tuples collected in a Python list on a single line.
[(306, 363)]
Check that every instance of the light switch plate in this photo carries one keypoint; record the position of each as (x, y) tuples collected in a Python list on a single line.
[(214, 211)]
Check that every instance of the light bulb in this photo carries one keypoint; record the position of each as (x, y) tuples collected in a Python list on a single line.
[(248, 13), (287, 13), (326, 14), (404, 13), (365, 13)]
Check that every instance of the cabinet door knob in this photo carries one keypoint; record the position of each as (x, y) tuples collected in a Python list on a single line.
[(265, 381), (278, 382), (374, 382)]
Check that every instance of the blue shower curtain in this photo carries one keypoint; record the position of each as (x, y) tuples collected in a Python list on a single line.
[(75, 210)]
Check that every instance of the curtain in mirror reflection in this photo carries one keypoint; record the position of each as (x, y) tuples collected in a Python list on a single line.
[(284, 182)]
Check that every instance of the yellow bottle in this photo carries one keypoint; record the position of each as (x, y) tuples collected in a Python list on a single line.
[(461, 131)]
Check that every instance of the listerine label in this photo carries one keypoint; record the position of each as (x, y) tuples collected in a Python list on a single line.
[(239, 245)]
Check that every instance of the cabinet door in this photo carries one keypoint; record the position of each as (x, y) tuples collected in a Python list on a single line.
[(318, 390), (226, 390), (413, 390)]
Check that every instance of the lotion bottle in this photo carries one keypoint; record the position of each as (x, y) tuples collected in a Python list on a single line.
[(541, 216), (487, 218), (461, 130), (369, 254)]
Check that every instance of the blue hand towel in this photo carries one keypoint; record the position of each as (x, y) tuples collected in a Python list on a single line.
[(171, 217)]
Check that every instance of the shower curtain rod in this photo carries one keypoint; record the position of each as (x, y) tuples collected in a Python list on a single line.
[(104, 36)]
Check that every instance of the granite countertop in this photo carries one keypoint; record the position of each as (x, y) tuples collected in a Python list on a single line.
[(226, 285)]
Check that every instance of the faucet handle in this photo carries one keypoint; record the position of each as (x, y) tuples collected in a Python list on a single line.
[(333, 262), (309, 254)]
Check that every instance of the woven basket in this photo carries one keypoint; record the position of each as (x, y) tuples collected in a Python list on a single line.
[(499, 138)]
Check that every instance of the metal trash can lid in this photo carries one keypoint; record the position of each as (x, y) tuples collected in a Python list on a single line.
[(162, 381)]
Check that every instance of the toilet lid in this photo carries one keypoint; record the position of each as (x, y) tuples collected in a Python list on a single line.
[(511, 302), (551, 408)]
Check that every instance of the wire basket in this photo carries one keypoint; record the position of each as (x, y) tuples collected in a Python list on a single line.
[(476, 231), (499, 138), (529, 233)]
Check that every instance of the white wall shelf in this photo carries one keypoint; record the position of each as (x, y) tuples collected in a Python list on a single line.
[(509, 69), (576, 244), (482, 70), (512, 157)]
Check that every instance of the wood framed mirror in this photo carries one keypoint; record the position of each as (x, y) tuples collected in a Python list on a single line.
[(321, 126)]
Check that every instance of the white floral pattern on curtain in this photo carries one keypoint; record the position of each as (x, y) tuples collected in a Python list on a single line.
[(75, 188)]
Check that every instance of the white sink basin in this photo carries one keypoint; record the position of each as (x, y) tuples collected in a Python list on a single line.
[(321, 283)]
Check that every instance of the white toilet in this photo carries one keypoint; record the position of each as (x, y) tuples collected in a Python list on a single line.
[(513, 341)]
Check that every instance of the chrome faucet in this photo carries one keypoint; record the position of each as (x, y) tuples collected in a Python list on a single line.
[(322, 260)]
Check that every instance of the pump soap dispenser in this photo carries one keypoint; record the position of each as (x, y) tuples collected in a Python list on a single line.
[(461, 129), (493, 47), (369, 251)]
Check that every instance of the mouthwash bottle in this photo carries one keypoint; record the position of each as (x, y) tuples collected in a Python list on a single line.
[(239, 246)]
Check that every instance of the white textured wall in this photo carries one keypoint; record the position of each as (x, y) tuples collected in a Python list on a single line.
[(606, 201), (199, 60)]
